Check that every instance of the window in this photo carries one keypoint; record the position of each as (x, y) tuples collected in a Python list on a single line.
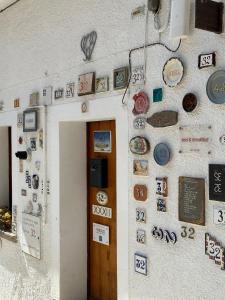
[(6, 179)]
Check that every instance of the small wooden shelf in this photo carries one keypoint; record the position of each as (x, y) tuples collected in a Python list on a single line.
[(8, 236)]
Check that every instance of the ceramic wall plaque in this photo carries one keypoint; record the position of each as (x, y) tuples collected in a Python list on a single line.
[(162, 154), (17, 103), (140, 192), (162, 186), (209, 15), (141, 103), (215, 250), (173, 72), (70, 87), (139, 145), (196, 139), (141, 236), (215, 88), (140, 167), (218, 215), (206, 60), (157, 95), (138, 76), (120, 78), (102, 211), (217, 182), (86, 84), (140, 264), (102, 84), (161, 205), (30, 120), (189, 102), (102, 198), (192, 200), (34, 99), (141, 215), (59, 93), (163, 119), (222, 139), (139, 123)]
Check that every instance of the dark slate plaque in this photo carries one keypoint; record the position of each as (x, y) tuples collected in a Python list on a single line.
[(163, 119), (209, 15), (217, 182), (192, 200)]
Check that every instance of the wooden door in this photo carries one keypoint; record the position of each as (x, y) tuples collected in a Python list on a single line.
[(102, 259)]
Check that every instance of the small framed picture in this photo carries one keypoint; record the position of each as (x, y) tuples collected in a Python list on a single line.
[(59, 93), (102, 141), (86, 84), (30, 120), (34, 197), (140, 264), (34, 99), (19, 120), (102, 84), (140, 167), (120, 78)]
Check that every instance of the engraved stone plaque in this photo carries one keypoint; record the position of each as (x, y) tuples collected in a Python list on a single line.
[(163, 119), (217, 182), (192, 200)]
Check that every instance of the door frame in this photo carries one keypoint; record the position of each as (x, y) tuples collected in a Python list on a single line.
[(98, 110)]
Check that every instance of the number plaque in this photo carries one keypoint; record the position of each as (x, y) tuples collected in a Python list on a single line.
[(140, 263), (206, 60), (214, 250), (217, 182), (219, 215)]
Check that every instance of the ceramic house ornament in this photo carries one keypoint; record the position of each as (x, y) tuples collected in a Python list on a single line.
[(139, 145), (173, 72), (141, 103)]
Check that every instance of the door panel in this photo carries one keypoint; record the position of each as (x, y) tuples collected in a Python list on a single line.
[(102, 267)]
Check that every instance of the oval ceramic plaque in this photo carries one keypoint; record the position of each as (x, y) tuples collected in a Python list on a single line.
[(222, 139), (189, 102), (139, 145), (215, 88), (139, 123), (162, 154), (102, 198), (141, 103), (173, 72), (140, 192)]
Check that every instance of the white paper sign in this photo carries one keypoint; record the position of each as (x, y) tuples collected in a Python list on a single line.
[(101, 234), (31, 235), (102, 211), (219, 215), (195, 139)]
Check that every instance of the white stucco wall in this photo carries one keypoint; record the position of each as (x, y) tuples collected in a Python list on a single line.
[(40, 46)]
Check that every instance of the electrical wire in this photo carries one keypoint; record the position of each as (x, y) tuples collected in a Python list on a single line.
[(10, 5), (140, 48)]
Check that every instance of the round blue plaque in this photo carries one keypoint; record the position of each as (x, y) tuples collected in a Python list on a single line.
[(215, 88), (161, 154)]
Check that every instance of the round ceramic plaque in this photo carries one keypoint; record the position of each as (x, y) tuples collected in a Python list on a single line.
[(215, 88), (141, 103), (162, 154), (102, 198), (139, 145), (189, 102), (173, 72), (139, 123)]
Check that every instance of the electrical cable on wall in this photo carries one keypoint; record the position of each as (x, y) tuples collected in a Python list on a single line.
[(140, 48)]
